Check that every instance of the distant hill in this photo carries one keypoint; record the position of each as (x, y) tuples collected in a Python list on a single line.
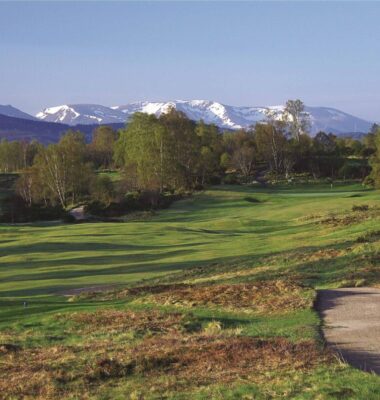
[(12, 128), (11, 111)]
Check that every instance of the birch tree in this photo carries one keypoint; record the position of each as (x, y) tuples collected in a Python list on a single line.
[(62, 170), (296, 118)]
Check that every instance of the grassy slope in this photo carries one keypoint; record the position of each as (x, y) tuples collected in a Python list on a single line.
[(232, 238)]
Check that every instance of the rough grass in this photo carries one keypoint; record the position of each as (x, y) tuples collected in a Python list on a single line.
[(48, 373), (113, 321), (265, 296), (359, 213), (165, 344)]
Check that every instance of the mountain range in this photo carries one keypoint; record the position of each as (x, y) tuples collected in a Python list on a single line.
[(224, 116), (48, 125)]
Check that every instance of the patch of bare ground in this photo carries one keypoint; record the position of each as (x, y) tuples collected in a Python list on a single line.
[(62, 372), (263, 296)]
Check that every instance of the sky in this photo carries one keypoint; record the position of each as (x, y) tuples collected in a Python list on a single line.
[(237, 53)]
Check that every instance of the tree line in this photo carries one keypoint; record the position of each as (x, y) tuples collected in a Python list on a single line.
[(172, 153)]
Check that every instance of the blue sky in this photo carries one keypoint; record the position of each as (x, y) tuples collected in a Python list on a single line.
[(239, 53)]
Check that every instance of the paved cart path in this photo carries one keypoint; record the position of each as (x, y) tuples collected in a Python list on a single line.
[(352, 324)]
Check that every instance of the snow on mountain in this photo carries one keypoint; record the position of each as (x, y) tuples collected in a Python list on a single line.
[(231, 117), (10, 111), (224, 116), (228, 117), (86, 114)]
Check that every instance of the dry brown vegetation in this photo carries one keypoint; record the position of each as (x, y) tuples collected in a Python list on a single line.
[(194, 360), (264, 296), (371, 236), (153, 322), (322, 254), (205, 358), (356, 215), (35, 373), (169, 344)]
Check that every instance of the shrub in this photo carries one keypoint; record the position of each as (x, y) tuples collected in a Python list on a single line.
[(231, 179), (369, 181), (16, 210), (133, 201), (102, 190), (68, 218), (215, 180)]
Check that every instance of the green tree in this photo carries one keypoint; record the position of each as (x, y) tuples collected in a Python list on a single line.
[(244, 152), (210, 150), (271, 144), (375, 161), (101, 147), (185, 147), (144, 147), (102, 190), (62, 170)]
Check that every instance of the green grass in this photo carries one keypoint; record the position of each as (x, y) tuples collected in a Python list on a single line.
[(217, 226), (225, 235)]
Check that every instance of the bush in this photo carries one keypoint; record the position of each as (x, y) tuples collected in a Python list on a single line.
[(15, 210), (215, 180), (68, 218), (369, 181), (231, 179), (102, 190), (199, 187), (133, 201)]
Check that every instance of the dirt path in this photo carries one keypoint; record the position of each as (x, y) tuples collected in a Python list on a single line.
[(352, 324)]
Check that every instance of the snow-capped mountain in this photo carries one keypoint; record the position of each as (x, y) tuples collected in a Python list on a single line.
[(224, 116), (87, 114), (11, 111)]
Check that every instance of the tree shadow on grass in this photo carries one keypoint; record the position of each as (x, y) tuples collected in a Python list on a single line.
[(149, 267), (140, 263), (59, 247)]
